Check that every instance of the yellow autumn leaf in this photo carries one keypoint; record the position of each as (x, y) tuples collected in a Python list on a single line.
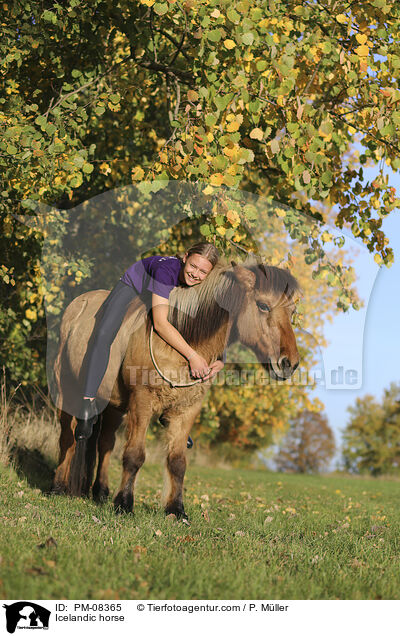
[(31, 314), (192, 95), (362, 51), (341, 18), (233, 126), (137, 173), (233, 218), (216, 13), (229, 44), (280, 212), (208, 190), (216, 179), (257, 133), (105, 168), (361, 38), (221, 231)]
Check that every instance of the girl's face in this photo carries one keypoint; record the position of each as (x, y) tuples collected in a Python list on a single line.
[(195, 269)]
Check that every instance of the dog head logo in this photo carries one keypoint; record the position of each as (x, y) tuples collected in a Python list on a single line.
[(26, 615)]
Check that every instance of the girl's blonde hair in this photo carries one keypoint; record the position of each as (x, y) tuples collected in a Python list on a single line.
[(207, 250)]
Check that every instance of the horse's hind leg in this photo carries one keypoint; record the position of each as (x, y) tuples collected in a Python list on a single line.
[(180, 424), (111, 419), (67, 446), (139, 415)]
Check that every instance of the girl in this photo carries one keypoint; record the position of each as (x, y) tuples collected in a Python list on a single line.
[(155, 275)]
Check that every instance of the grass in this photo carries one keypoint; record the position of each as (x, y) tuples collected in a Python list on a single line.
[(253, 535)]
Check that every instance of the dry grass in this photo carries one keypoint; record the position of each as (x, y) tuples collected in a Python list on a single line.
[(25, 425), (6, 416)]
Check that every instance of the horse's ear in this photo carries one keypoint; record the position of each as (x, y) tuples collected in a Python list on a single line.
[(233, 263), (245, 277)]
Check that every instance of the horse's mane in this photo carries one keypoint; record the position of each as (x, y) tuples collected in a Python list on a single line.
[(198, 312)]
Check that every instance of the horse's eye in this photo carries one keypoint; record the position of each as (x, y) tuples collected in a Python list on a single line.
[(263, 306)]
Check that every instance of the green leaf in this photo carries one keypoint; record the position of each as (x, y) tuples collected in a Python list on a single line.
[(205, 230), (48, 16), (233, 16), (210, 119), (41, 121), (248, 38), (50, 129), (161, 8), (214, 35)]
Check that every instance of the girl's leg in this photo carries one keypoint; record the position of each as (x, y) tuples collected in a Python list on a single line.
[(113, 311)]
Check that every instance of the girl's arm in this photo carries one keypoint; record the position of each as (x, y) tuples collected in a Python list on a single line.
[(160, 306)]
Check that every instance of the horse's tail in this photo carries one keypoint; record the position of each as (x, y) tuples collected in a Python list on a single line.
[(78, 473), (83, 462)]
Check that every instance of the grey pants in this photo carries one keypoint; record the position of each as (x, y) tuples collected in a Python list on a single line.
[(112, 311)]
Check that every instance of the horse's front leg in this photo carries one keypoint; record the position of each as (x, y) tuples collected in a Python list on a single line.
[(138, 419), (180, 423)]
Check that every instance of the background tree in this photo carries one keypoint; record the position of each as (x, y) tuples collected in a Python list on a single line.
[(308, 446), (371, 440)]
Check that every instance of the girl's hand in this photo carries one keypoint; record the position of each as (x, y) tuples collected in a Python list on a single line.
[(215, 368), (198, 366)]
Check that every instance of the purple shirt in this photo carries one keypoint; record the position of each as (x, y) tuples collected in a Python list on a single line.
[(156, 274)]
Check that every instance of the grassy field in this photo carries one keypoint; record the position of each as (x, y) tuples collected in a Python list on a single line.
[(253, 535)]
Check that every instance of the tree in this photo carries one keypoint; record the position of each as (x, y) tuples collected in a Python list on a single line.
[(371, 440), (308, 446), (263, 98)]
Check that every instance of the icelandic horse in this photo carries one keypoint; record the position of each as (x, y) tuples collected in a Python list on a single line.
[(251, 303)]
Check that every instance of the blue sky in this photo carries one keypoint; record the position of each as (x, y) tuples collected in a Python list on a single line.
[(376, 327)]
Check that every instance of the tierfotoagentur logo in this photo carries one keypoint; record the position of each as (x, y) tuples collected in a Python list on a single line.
[(26, 615)]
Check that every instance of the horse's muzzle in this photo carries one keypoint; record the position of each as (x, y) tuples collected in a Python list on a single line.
[(281, 370)]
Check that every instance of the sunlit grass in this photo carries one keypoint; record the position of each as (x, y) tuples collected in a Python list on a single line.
[(253, 534)]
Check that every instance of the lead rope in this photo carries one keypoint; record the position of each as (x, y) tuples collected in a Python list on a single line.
[(172, 384)]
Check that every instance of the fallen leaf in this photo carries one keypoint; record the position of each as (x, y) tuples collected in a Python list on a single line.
[(36, 570), (49, 543), (240, 533), (158, 533), (268, 520)]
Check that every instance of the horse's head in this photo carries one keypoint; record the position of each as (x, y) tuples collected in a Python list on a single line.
[(263, 321)]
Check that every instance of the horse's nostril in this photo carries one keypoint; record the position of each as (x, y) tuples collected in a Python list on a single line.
[(284, 363)]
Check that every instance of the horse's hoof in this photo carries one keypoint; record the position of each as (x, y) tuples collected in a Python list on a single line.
[(178, 512), (123, 505), (100, 494), (58, 489), (189, 442)]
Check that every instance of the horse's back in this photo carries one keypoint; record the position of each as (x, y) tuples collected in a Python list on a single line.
[(77, 325)]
